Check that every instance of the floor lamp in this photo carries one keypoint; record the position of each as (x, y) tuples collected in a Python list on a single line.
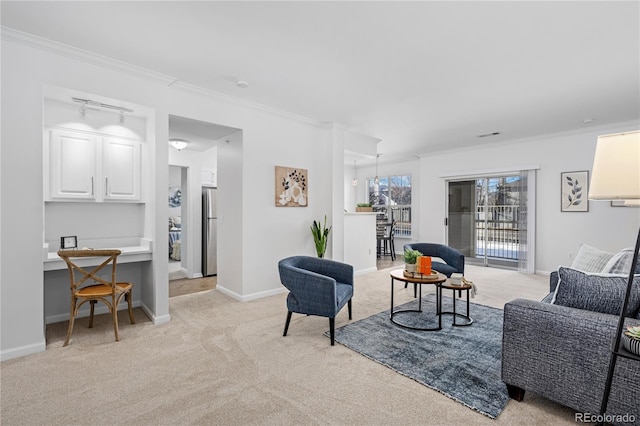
[(616, 176)]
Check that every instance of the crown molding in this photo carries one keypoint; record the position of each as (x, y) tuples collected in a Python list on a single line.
[(9, 34), (188, 87), (15, 36), (602, 128)]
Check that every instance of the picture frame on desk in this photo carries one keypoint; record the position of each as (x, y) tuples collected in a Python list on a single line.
[(68, 242)]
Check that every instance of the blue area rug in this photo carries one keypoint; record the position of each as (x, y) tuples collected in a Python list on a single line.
[(463, 363)]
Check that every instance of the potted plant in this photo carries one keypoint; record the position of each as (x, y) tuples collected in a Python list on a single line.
[(410, 258), (364, 207), (320, 236)]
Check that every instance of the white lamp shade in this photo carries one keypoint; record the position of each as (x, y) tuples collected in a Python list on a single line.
[(616, 167)]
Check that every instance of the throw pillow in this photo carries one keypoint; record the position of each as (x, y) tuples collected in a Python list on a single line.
[(598, 293), (589, 259), (620, 263)]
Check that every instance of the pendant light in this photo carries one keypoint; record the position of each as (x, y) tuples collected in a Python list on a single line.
[(376, 180), (354, 182)]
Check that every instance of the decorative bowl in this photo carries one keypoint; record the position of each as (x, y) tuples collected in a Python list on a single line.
[(631, 344)]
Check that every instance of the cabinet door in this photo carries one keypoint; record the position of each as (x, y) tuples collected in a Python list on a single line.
[(72, 165), (121, 169)]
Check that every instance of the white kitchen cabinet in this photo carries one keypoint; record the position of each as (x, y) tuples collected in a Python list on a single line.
[(121, 169), (72, 165), (89, 167)]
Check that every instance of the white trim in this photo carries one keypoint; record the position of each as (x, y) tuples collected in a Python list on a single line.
[(84, 312), (365, 271), (611, 128), (249, 297), (31, 40), (488, 172), (55, 47), (20, 351), (249, 104), (155, 319)]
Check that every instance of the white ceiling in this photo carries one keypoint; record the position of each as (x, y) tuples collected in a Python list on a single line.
[(420, 76), (200, 134)]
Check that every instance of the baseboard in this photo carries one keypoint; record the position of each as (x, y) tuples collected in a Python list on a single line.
[(198, 275), (365, 271), (156, 320), (85, 311), (252, 296), (33, 348)]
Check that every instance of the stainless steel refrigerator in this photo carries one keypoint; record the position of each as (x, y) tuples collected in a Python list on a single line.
[(209, 232)]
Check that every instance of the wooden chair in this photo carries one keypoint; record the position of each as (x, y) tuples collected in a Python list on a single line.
[(87, 286)]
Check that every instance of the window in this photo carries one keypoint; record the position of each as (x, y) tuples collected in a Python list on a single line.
[(391, 199)]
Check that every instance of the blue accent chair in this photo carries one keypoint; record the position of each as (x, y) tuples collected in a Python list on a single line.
[(454, 260), (316, 287)]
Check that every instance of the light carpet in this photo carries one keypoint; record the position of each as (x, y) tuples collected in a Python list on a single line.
[(224, 362), (462, 363)]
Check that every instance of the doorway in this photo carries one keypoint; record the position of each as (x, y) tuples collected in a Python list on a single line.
[(210, 157), (488, 220), (178, 222)]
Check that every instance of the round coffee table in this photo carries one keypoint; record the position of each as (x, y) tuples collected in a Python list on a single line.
[(460, 289), (436, 279)]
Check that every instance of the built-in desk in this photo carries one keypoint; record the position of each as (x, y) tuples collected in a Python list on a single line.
[(130, 253), (133, 266)]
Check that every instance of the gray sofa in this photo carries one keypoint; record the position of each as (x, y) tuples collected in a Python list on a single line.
[(562, 353)]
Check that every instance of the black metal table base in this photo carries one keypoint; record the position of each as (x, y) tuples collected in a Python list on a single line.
[(467, 318), (419, 310)]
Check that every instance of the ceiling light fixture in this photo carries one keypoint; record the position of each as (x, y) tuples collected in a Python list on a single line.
[(90, 102), (178, 144), (354, 182), (242, 84)]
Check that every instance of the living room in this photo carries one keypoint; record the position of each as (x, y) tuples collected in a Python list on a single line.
[(281, 134)]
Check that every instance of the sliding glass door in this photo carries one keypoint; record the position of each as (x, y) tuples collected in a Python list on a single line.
[(487, 220)]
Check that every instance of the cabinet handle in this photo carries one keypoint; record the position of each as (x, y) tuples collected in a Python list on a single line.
[(106, 187), (92, 186)]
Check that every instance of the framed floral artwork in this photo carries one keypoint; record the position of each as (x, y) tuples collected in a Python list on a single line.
[(291, 187), (574, 189)]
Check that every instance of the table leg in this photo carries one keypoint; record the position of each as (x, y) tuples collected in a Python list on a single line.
[(454, 307), (391, 311)]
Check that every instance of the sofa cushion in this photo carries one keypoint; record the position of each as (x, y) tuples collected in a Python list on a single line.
[(620, 263), (590, 259), (596, 292)]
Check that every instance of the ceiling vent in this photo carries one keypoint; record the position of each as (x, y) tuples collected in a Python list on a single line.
[(486, 135)]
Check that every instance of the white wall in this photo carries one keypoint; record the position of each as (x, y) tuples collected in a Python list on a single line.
[(256, 233), (558, 233), (26, 71)]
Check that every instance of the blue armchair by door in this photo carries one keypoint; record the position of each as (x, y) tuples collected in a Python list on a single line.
[(453, 259), (316, 287)]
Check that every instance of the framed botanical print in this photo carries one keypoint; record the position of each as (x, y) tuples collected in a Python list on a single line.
[(574, 192)]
